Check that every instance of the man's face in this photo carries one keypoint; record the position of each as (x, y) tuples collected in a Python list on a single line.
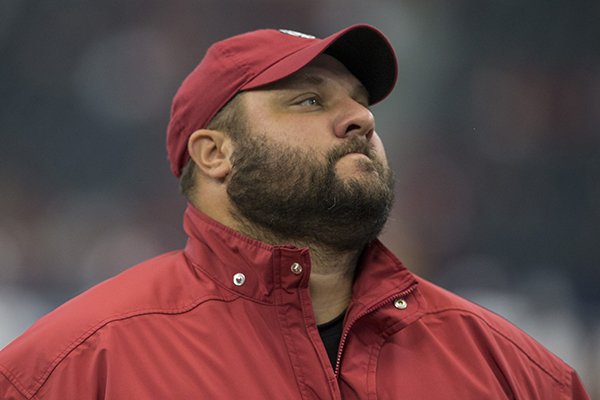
[(309, 166)]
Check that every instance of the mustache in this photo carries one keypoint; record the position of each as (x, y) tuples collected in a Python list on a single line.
[(354, 145)]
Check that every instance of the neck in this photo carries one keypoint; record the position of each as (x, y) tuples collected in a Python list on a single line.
[(331, 278), (332, 271)]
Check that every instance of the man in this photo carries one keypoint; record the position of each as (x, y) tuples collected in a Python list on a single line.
[(283, 290)]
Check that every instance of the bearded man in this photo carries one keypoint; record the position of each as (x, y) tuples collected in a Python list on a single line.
[(283, 290)]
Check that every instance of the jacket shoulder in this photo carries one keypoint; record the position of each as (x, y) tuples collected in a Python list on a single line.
[(512, 348), (166, 284)]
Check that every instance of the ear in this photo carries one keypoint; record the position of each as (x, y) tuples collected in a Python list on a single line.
[(211, 151)]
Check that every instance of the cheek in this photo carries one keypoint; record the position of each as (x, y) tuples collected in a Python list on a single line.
[(289, 131)]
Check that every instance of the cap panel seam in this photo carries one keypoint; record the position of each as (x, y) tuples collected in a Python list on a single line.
[(230, 55), (279, 60)]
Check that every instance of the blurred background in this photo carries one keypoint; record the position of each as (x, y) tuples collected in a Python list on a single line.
[(493, 132)]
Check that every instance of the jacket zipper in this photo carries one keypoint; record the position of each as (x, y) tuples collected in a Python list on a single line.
[(368, 311)]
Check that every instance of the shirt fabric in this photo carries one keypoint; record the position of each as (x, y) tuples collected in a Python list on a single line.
[(331, 334), (229, 317)]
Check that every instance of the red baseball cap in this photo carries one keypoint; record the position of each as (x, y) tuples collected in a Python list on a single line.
[(257, 58)]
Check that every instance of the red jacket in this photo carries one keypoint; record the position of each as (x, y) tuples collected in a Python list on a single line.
[(179, 327)]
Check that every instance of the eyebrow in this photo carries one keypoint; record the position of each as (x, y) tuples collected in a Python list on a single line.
[(300, 80)]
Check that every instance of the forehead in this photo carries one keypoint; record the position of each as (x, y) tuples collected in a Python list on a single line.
[(323, 70)]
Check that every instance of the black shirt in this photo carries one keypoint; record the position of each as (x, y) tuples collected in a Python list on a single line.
[(331, 334)]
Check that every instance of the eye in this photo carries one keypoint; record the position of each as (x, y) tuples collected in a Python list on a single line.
[(311, 101)]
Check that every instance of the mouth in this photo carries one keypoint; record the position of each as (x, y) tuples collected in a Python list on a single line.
[(356, 163), (355, 150), (356, 155), (359, 155)]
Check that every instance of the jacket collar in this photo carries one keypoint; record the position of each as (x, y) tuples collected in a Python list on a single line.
[(223, 253)]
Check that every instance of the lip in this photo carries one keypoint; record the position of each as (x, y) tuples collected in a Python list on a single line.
[(357, 155)]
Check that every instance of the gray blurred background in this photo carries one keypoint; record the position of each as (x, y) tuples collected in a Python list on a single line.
[(493, 131)]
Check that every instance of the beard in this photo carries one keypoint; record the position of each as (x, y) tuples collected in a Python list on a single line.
[(283, 193)]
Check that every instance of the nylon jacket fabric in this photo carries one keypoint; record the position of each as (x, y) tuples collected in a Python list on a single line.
[(178, 327)]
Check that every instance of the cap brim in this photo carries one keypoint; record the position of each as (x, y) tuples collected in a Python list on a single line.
[(362, 49)]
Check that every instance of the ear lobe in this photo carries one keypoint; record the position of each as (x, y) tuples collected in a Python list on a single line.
[(210, 150)]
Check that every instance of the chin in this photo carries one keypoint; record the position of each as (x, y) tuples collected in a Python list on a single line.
[(360, 170)]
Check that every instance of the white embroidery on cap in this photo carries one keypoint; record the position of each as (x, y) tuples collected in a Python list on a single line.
[(298, 34)]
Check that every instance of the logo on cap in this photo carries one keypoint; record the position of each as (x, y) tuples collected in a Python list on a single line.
[(297, 34)]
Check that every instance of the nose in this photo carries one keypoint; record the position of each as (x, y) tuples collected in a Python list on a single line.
[(354, 119)]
